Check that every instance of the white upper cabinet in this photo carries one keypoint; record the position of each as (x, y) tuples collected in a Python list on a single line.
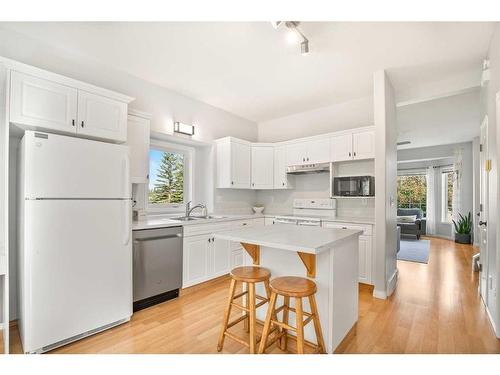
[(353, 146), (318, 151), (341, 147), (281, 179), (40, 100), (262, 167), (101, 117), (307, 152), (364, 145), (233, 163), (296, 153), (138, 138), (36, 102)]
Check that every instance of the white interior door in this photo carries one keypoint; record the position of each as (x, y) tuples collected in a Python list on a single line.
[(67, 167), (77, 268), (483, 212)]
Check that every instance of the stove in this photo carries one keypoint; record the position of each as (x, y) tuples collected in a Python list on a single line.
[(309, 212)]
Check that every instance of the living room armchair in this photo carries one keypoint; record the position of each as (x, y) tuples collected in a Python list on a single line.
[(414, 227)]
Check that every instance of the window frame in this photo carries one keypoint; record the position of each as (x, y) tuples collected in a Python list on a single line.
[(189, 155), (408, 173), (444, 195)]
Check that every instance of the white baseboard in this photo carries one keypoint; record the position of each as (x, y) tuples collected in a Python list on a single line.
[(380, 294), (492, 321), (391, 284)]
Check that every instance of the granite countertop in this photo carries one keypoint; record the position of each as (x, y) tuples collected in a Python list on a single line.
[(310, 240)]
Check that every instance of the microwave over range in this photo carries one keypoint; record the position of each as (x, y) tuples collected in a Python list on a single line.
[(353, 186)]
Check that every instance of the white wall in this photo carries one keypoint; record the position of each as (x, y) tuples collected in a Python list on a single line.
[(341, 116), (476, 168), (440, 155), (488, 107), (164, 105), (3, 184), (385, 275)]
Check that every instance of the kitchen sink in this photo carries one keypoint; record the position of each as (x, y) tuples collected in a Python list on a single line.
[(190, 218)]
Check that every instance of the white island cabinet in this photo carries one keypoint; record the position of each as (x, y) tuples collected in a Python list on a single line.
[(329, 257)]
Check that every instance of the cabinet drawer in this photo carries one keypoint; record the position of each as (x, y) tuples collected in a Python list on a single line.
[(366, 228), (238, 224), (193, 230)]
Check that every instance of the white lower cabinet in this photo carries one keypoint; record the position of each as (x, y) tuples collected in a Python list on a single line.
[(205, 257), (195, 260), (365, 248)]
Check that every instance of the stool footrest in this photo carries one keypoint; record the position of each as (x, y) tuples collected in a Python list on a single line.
[(236, 338), (236, 321), (237, 305), (283, 325), (240, 295)]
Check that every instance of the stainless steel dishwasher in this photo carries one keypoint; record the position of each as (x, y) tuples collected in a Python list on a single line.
[(157, 265)]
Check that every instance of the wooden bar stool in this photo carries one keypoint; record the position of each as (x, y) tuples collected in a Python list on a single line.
[(298, 288), (249, 275)]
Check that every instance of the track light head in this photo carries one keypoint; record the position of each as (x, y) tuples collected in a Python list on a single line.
[(304, 47)]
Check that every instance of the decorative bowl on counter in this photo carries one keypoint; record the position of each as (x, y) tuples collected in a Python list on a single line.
[(258, 210)]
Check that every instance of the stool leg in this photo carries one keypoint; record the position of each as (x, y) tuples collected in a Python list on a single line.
[(267, 323), (299, 318), (246, 324), (227, 313), (252, 312), (317, 324), (284, 338)]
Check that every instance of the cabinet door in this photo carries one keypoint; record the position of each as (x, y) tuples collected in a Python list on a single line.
[(138, 136), (281, 179), (341, 147), (262, 167), (365, 259), (195, 260), (318, 151), (38, 103), (240, 165), (236, 258), (364, 145), (221, 257), (296, 153), (101, 117)]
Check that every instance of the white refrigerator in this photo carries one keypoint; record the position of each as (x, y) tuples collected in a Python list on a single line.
[(75, 260)]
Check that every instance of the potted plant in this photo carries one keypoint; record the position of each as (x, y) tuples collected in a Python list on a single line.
[(463, 229)]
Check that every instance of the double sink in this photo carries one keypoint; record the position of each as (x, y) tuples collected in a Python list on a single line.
[(190, 218)]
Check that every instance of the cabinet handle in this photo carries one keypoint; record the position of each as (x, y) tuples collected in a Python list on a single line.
[(73, 122), (232, 182), (303, 159), (283, 183), (253, 184), (213, 239), (209, 240), (83, 124), (354, 153), (307, 159), (349, 154)]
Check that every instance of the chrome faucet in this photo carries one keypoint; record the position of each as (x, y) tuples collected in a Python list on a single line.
[(190, 209)]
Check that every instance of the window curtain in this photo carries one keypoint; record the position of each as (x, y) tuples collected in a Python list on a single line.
[(431, 201), (457, 185)]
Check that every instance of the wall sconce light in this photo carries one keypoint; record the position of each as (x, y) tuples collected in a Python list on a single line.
[(181, 128)]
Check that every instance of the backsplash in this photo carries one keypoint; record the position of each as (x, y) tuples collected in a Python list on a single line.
[(313, 186)]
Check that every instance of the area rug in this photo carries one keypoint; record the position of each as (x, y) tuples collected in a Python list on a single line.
[(414, 250)]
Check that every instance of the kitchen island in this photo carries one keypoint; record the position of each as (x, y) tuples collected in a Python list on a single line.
[(329, 257)]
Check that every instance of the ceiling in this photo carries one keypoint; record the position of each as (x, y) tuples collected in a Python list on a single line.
[(448, 120), (250, 70)]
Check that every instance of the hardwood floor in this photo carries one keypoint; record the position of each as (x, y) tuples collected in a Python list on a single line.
[(435, 309)]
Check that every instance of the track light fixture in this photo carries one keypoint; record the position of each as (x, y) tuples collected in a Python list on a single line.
[(294, 34)]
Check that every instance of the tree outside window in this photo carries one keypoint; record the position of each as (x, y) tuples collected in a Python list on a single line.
[(166, 177), (412, 192)]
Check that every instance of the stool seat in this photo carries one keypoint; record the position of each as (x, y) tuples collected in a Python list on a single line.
[(250, 274), (292, 286)]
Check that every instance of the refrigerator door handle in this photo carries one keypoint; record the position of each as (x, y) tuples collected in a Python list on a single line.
[(128, 224)]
